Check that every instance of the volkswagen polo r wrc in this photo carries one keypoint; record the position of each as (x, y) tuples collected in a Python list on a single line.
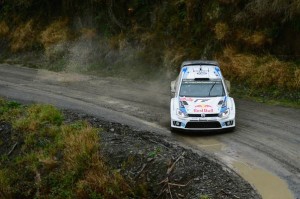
[(200, 98)]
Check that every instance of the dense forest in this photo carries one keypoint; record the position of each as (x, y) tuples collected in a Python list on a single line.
[(256, 42)]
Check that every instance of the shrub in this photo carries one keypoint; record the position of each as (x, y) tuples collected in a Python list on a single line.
[(79, 145), (88, 33), (9, 110), (297, 78), (268, 8), (37, 116), (257, 39), (173, 58), (4, 29), (56, 32), (236, 66), (5, 188), (260, 72), (23, 37), (273, 72), (221, 30)]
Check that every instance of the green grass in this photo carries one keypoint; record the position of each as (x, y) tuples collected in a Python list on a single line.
[(205, 197), (56, 160), (271, 96)]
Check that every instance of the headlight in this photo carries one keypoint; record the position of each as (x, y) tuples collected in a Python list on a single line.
[(224, 114), (181, 114)]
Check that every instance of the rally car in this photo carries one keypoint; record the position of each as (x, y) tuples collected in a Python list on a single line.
[(200, 98)]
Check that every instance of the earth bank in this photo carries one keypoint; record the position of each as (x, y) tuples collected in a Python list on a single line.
[(169, 170)]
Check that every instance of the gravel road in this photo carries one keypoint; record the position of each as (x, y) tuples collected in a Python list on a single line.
[(264, 149)]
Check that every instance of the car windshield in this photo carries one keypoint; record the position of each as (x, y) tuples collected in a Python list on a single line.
[(192, 88)]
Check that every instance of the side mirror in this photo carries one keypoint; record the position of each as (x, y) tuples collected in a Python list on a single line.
[(173, 88), (228, 86)]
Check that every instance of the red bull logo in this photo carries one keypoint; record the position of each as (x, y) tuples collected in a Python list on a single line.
[(203, 108)]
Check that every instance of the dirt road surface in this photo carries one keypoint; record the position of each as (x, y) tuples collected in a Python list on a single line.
[(264, 149)]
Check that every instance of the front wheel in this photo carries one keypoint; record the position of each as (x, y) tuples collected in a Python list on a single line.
[(230, 130), (173, 130)]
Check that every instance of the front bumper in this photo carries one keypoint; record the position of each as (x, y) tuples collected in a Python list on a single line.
[(194, 123)]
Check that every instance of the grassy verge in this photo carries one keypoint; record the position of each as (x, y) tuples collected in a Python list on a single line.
[(48, 158), (267, 96)]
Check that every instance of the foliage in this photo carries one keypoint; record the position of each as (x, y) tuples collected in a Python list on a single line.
[(56, 32), (221, 30), (268, 8), (204, 197), (56, 160), (23, 37), (266, 76), (9, 109), (4, 29), (265, 71), (37, 117)]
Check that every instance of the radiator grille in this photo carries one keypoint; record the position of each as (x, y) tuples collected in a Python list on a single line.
[(203, 125), (205, 115)]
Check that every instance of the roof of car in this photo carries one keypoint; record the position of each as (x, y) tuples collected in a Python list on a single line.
[(199, 62), (201, 71)]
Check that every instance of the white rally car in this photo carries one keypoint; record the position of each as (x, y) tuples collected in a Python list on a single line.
[(200, 99)]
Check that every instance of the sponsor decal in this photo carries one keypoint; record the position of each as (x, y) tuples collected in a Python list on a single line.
[(217, 71), (198, 108), (224, 105), (202, 72), (182, 109), (201, 100), (187, 99), (185, 72), (202, 108)]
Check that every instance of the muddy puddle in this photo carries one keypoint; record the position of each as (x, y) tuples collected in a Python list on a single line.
[(268, 185)]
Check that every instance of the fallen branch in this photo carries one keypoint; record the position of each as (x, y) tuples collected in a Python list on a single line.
[(13, 148), (170, 192), (38, 181), (180, 185), (140, 172), (171, 168), (166, 182)]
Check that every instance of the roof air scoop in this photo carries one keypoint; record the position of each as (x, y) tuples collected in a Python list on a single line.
[(201, 79)]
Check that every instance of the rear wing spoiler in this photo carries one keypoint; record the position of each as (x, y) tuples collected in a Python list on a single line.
[(199, 62)]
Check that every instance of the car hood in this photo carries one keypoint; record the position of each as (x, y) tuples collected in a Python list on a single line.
[(191, 105)]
